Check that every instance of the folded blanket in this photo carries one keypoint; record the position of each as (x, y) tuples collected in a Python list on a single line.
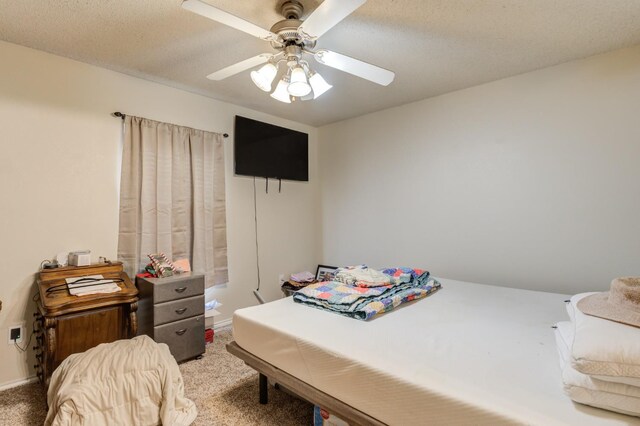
[(361, 302), (604, 349), (363, 276), (587, 390), (404, 274)]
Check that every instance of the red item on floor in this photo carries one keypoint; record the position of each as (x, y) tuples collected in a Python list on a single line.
[(208, 335)]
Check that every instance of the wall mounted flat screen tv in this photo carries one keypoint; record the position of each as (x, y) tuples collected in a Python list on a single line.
[(265, 150)]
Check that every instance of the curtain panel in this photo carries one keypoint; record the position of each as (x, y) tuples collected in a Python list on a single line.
[(172, 198)]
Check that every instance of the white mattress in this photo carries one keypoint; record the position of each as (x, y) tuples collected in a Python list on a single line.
[(469, 353)]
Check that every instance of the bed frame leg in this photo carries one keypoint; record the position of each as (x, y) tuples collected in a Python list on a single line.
[(264, 389)]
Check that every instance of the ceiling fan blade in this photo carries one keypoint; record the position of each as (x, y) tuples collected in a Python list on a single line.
[(355, 66), (239, 67), (226, 18), (327, 15)]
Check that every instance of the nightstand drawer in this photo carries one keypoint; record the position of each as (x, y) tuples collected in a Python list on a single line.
[(167, 289), (185, 338), (178, 310)]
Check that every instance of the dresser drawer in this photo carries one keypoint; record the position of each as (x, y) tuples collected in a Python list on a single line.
[(178, 310), (167, 289), (185, 338)]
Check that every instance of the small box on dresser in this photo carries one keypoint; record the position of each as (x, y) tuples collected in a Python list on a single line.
[(171, 311)]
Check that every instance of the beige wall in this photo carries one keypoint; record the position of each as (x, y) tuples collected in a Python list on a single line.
[(531, 181), (59, 172)]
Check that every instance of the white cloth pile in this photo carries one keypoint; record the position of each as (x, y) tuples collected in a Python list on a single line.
[(128, 382), (600, 360)]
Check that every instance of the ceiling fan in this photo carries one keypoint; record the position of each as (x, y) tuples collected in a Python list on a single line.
[(293, 41)]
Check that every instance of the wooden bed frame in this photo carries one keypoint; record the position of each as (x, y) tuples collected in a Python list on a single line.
[(300, 388)]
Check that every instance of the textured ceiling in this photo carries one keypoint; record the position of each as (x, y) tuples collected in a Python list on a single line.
[(434, 46)]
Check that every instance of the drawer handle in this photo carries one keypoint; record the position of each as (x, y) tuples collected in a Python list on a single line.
[(181, 332), (181, 311), (180, 289)]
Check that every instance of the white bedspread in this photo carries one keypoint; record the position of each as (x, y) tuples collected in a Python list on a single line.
[(128, 382), (468, 354)]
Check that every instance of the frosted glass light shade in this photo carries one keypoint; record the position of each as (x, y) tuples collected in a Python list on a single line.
[(281, 92), (319, 85), (264, 76), (299, 86)]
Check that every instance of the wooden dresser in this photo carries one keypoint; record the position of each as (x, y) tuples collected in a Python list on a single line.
[(171, 311), (67, 324)]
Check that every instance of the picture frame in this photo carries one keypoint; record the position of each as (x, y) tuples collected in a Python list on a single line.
[(325, 272)]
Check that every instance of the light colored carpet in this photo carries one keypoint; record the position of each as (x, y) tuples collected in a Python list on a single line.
[(224, 389)]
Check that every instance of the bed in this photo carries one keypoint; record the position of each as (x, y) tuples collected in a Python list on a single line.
[(470, 353)]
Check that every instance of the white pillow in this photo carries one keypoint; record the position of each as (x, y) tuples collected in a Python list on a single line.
[(626, 380), (604, 348), (590, 391)]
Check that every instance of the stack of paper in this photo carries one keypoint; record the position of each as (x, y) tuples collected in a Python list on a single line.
[(91, 284)]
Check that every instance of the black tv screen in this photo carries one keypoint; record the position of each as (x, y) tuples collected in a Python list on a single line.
[(265, 150)]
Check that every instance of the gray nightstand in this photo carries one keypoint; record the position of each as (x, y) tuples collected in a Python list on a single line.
[(171, 311)]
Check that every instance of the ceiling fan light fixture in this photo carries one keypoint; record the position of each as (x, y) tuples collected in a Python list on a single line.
[(264, 76), (281, 94), (318, 84), (298, 86), (293, 39)]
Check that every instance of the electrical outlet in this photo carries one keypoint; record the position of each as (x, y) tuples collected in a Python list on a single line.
[(16, 334)]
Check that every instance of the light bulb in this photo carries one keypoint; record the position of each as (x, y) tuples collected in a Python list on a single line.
[(281, 92), (264, 76), (319, 85), (299, 86)]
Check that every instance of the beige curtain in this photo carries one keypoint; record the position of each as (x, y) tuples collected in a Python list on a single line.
[(172, 198)]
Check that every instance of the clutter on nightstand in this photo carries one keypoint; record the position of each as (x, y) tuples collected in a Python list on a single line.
[(79, 258), (161, 265), (303, 277), (296, 282), (182, 265)]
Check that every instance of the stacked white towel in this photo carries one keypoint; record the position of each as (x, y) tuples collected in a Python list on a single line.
[(600, 360)]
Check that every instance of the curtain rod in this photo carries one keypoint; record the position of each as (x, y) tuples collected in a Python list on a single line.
[(121, 115)]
